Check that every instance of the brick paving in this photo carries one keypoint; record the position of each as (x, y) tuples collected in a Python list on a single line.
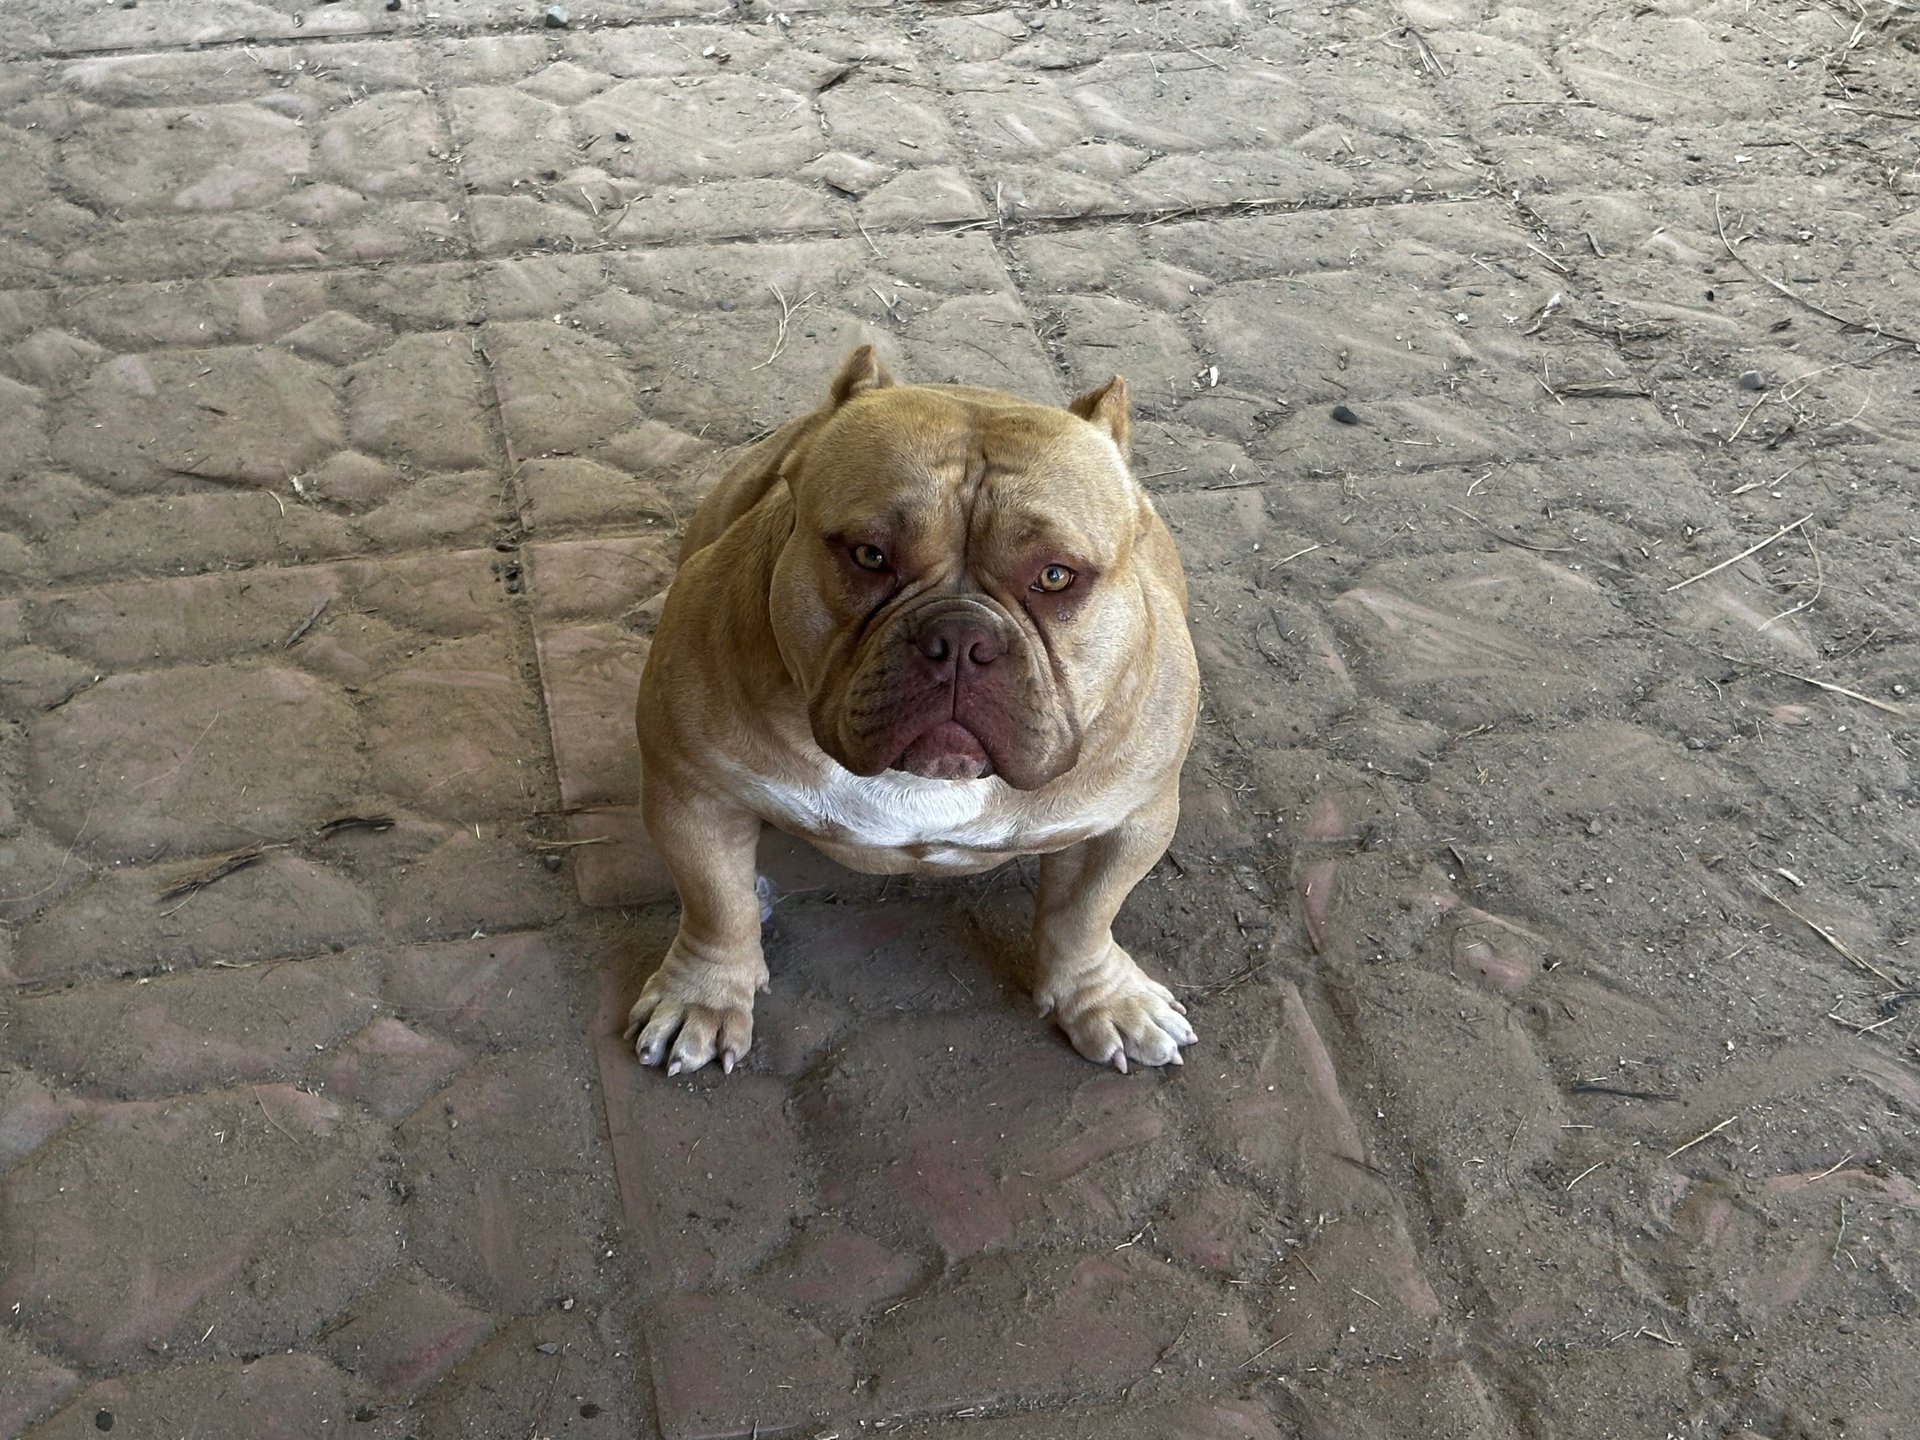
[(358, 364)]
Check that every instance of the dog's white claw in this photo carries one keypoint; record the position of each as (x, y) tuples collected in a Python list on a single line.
[(688, 1017), (1176, 1058), (1117, 1015)]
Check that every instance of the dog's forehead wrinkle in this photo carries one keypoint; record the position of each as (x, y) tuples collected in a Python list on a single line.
[(992, 481), (899, 510), (1022, 526)]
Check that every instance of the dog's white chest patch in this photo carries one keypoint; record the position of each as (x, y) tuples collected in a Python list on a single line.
[(890, 811)]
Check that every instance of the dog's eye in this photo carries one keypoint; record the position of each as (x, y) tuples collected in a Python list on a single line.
[(869, 557), (1054, 579)]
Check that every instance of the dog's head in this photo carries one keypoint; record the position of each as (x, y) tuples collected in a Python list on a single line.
[(957, 596)]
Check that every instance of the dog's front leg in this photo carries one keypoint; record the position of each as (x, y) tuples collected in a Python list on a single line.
[(1111, 1009), (698, 1005)]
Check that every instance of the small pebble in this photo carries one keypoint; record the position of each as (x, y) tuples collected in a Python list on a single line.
[(1345, 416), (589, 1410), (547, 1348), (557, 17), (1593, 827), (393, 4), (1694, 742), (622, 136), (103, 1420), (1752, 380), (552, 862), (1899, 690)]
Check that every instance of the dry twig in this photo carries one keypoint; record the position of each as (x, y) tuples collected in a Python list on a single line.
[(1195, 51), (1888, 706), (327, 829), (1428, 60), (305, 625), (1864, 326), (1265, 1348), (1819, 584), (1736, 559), (219, 870), (787, 311), (1583, 1175), (1703, 1135), (1510, 539), (237, 860), (1601, 390), (1847, 951)]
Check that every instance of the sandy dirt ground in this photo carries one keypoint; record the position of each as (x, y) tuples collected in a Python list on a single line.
[(1534, 393)]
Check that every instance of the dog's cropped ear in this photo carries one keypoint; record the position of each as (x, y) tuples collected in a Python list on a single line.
[(1107, 407), (859, 372)]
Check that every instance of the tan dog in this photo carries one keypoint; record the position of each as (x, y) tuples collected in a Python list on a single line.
[(928, 628)]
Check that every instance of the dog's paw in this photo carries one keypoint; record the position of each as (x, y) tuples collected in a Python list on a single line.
[(690, 1015), (1113, 1011)]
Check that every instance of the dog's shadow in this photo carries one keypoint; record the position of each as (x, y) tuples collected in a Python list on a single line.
[(848, 952), (882, 946)]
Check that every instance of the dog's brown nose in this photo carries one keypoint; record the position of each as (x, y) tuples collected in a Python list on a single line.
[(959, 640)]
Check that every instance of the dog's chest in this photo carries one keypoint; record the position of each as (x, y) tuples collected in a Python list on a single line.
[(891, 811), (897, 823)]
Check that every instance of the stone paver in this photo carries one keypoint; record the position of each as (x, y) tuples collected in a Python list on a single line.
[(207, 424), (1195, 109), (652, 134), (1547, 931), (177, 164), (294, 1248)]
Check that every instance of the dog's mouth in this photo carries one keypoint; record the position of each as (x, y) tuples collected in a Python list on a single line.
[(947, 751)]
